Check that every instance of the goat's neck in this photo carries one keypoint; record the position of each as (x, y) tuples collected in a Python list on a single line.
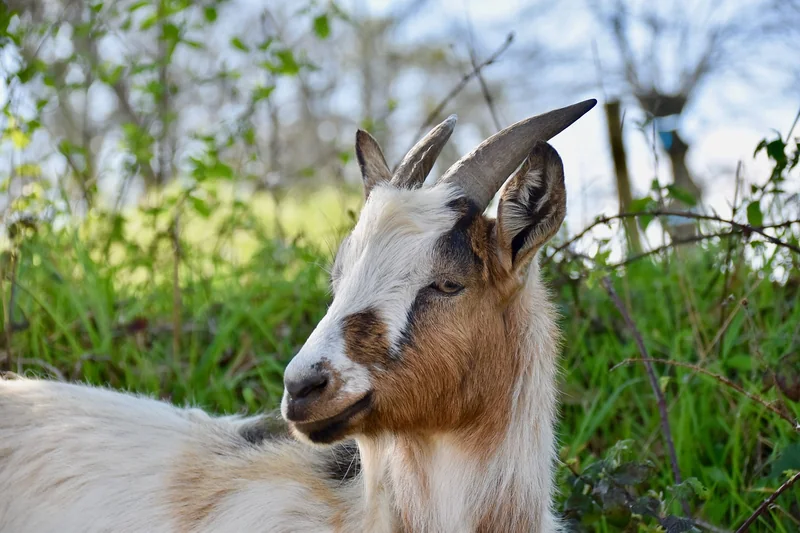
[(434, 483)]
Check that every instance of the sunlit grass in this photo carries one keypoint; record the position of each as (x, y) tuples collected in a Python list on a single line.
[(247, 305)]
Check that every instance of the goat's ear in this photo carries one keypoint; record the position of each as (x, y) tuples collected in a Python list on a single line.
[(531, 208), (370, 158)]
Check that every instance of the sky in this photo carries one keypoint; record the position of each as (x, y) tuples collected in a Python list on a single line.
[(724, 134)]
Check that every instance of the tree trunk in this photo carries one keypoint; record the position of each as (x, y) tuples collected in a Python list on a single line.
[(621, 171), (681, 178)]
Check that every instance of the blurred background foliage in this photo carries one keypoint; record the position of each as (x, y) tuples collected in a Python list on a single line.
[(176, 175)]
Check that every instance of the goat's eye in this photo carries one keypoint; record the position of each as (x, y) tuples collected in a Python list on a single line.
[(447, 286)]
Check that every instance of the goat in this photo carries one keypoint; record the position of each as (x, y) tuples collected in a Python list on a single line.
[(424, 400)]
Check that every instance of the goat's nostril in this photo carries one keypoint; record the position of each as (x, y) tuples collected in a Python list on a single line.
[(306, 387)]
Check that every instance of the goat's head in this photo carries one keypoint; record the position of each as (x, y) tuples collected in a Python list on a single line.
[(414, 338)]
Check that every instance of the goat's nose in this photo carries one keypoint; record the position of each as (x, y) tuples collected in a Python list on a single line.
[(308, 387)]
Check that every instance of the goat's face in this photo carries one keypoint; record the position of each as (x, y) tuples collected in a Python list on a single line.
[(417, 336)]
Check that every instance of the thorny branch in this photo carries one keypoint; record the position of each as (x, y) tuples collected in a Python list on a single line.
[(740, 227), (651, 374), (673, 243), (766, 503), (722, 379)]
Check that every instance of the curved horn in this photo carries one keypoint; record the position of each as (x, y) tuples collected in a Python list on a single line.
[(418, 162), (483, 171)]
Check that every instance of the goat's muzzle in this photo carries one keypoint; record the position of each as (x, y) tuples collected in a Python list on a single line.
[(318, 406)]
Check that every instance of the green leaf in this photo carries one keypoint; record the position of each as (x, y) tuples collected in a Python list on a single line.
[(788, 460), (200, 206), (286, 65), (646, 506), (264, 46), (261, 93), (221, 170), (239, 45), (754, 216), (641, 204), (688, 489), (760, 146), (632, 473), (322, 26), (138, 5), (776, 150), (676, 524), (618, 450), (19, 138), (113, 77), (249, 136), (170, 32), (740, 362), (210, 13), (682, 195), (149, 22)]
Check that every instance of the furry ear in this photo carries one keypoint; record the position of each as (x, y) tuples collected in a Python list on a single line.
[(370, 158), (531, 208)]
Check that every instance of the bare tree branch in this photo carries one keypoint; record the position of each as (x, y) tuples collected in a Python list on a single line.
[(766, 503), (487, 95), (742, 228), (722, 379), (460, 86)]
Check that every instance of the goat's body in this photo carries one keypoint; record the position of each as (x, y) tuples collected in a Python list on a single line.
[(438, 356), (84, 459)]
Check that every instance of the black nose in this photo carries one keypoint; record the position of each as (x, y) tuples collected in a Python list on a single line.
[(308, 387)]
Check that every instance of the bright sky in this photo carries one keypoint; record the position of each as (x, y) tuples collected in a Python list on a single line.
[(724, 134)]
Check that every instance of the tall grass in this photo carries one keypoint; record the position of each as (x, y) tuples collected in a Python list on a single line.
[(98, 303)]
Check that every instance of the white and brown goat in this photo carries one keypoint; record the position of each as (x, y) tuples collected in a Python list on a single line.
[(428, 388)]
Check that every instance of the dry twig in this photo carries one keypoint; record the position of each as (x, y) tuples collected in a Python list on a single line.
[(475, 72), (722, 379), (740, 228), (766, 503), (651, 374)]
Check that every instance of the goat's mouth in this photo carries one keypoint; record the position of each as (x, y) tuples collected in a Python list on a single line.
[(334, 428)]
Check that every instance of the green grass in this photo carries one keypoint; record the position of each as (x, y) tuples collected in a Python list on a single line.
[(97, 304)]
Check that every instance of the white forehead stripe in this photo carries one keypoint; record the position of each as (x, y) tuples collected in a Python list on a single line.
[(387, 260), (389, 254)]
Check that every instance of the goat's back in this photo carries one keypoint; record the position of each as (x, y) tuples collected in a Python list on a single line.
[(75, 458)]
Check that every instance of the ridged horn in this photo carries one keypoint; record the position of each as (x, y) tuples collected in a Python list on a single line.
[(418, 162), (483, 171)]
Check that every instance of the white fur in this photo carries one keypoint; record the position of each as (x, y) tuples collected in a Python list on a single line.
[(79, 459)]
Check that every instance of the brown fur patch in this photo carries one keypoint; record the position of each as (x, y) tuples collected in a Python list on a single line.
[(365, 339), (456, 370), (207, 474), (506, 515)]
